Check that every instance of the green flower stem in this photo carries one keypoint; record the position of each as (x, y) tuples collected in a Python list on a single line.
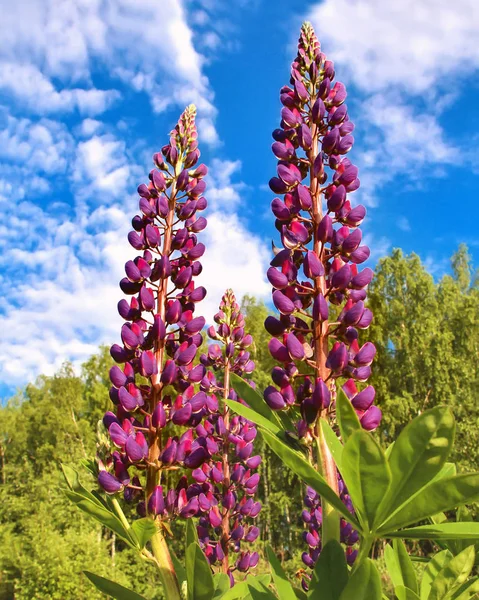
[(120, 513), (364, 550), (165, 566)]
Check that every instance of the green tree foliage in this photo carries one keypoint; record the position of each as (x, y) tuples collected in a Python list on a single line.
[(427, 336)]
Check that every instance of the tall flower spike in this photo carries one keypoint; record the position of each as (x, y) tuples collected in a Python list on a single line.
[(160, 339), (318, 288), (226, 487)]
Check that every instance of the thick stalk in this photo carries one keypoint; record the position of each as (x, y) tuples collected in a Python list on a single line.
[(330, 527), (165, 566), (158, 542), (152, 475), (225, 523)]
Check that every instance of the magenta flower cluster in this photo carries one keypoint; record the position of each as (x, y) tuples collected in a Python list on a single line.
[(318, 287), (159, 382), (233, 480)]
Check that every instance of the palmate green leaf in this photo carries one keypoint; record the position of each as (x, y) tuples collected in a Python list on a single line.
[(144, 529), (417, 457), (442, 495), (443, 531), (454, 573), (112, 589), (404, 593), (430, 572), (253, 416), (347, 418), (364, 583), (333, 442), (295, 461), (198, 574), (330, 575), (366, 474), (281, 583), (102, 515)]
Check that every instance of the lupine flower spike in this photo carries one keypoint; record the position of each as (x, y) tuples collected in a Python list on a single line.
[(318, 287), (160, 340), (229, 484)]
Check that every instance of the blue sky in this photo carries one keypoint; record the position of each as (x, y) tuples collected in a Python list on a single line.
[(89, 90)]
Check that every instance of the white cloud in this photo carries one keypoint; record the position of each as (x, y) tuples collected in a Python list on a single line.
[(36, 92), (102, 166), (402, 57), (223, 193), (235, 258), (408, 44), (148, 45), (43, 146)]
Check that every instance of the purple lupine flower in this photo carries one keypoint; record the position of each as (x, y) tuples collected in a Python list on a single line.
[(161, 336), (226, 487), (316, 274)]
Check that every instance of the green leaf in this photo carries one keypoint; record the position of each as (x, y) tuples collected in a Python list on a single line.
[(418, 456), (295, 461), (102, 515), (404, 593), (191, 533), (347, 418), (222, 585), (366, 475), (333, 442), (72, 479), (454, 572), (253, 416), (330, 574), (198, 574), (444, 494), (255, 401), (240, 590), (400, 568), (282, 585), (112, 589), (259, 591), (364, 583), (301, 594), (432, 569), (179, 570), (392, 566), (464, 591), (443, 531), (405, 565), (144, 529)]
